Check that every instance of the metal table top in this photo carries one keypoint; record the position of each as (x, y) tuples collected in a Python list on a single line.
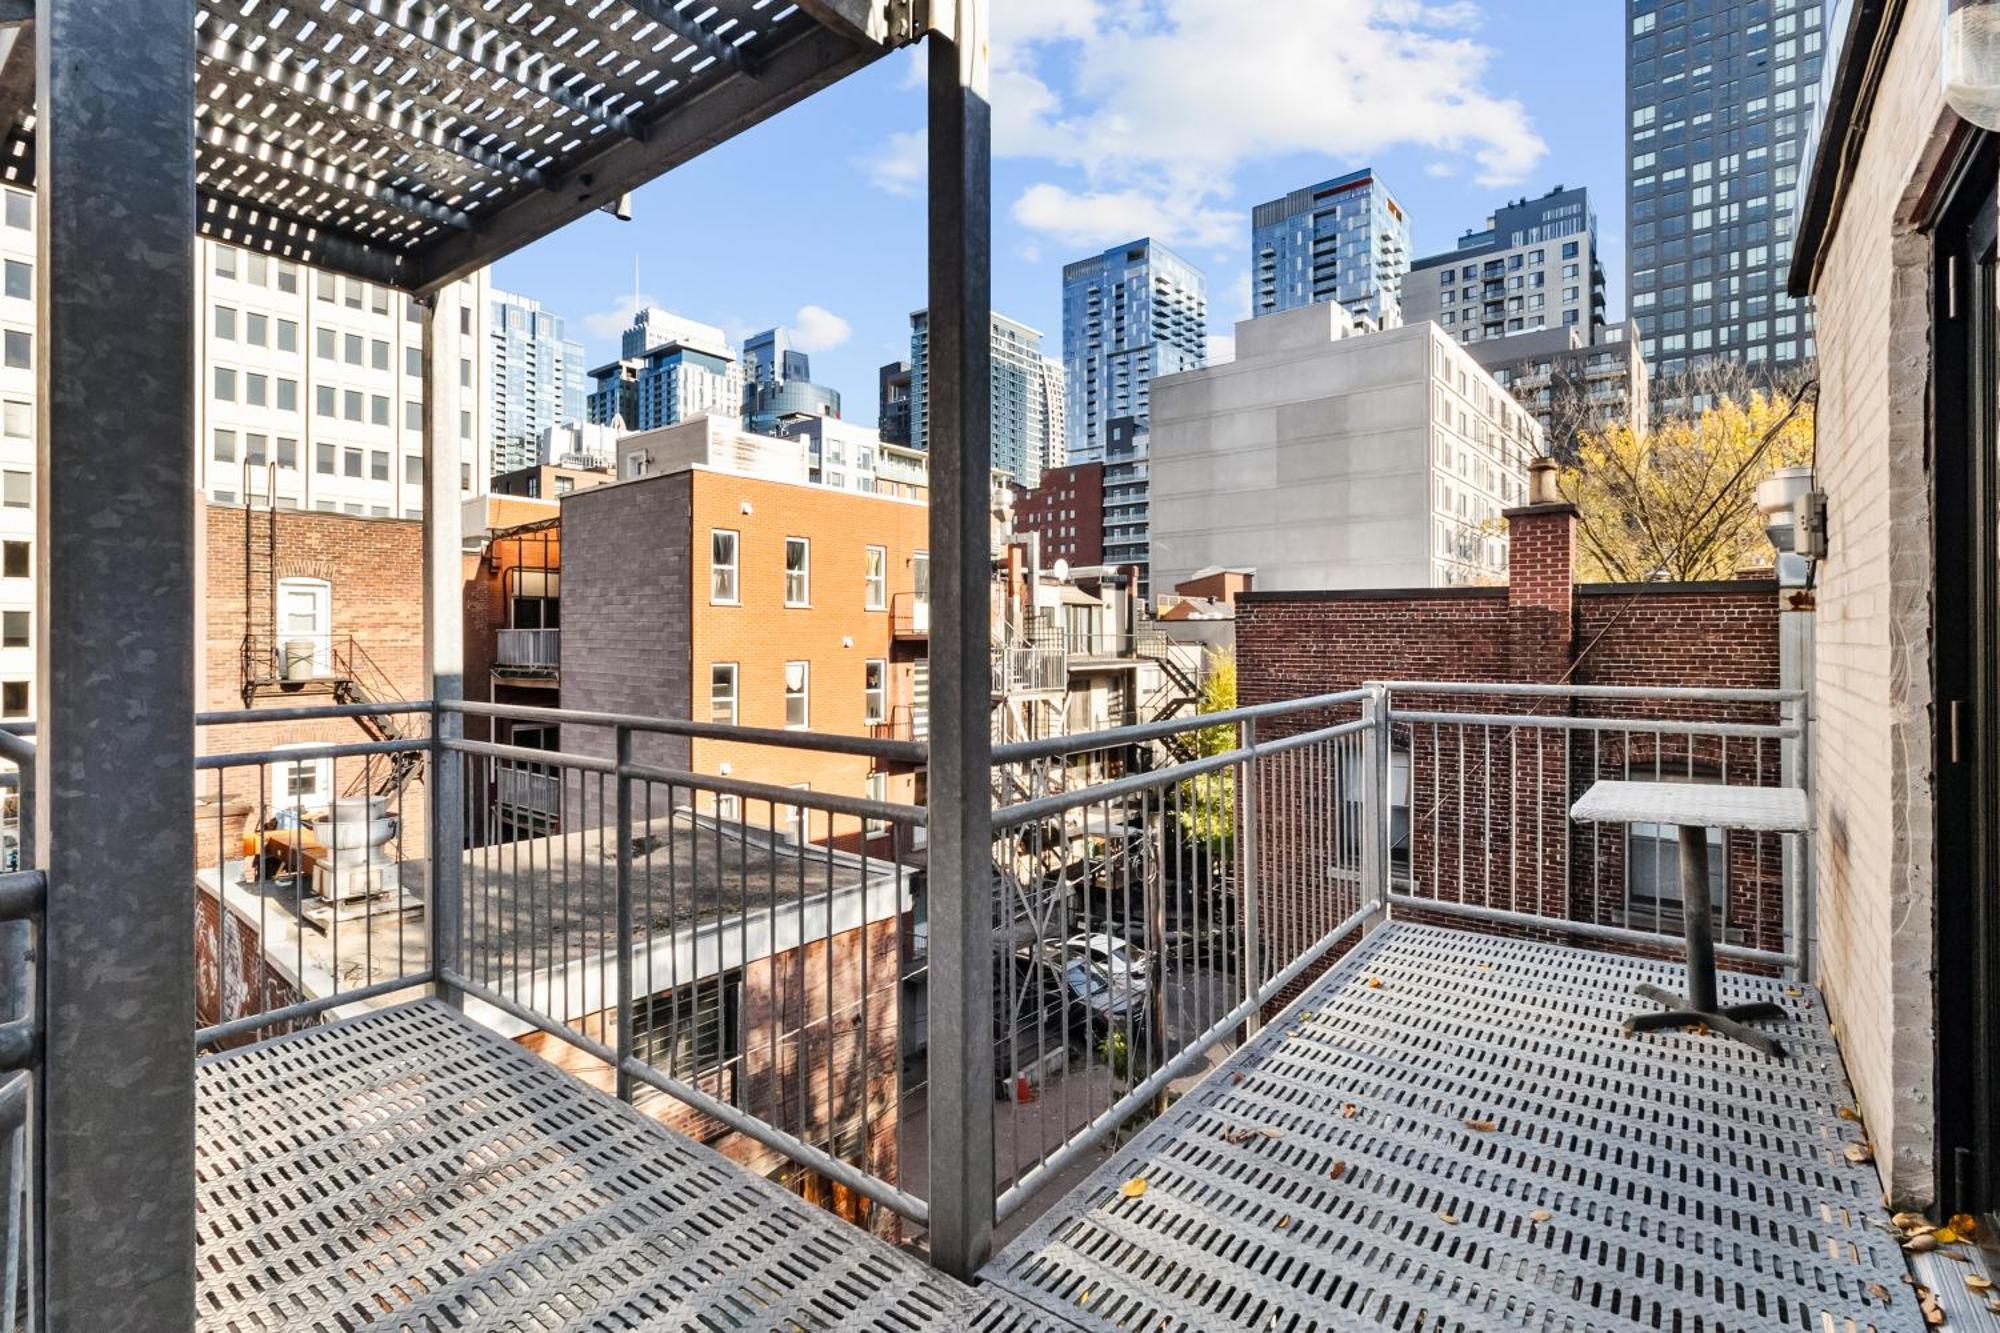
[(1710, 805)]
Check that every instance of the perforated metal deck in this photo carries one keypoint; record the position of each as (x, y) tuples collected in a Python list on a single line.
[(1382, 1159), (408, 1170)]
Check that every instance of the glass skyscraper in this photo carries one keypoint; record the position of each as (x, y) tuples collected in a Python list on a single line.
[(1027, 398), (1720, 98), (537, 379), (1345, 240), (1133, 312)]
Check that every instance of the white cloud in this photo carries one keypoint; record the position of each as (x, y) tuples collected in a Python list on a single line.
[(608, 324), (1156, 103), (1221, 348), (1097, 218), (816, 329), (902, 164)]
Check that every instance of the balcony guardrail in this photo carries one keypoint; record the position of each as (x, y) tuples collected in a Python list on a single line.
[(528, 651), (745, 958)]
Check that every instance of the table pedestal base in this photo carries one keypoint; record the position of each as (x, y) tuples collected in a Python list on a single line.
[(1729, 1020)]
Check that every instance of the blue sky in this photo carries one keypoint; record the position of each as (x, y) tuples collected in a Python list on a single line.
[(1113, 119)]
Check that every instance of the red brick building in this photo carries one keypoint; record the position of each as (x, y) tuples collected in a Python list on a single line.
[(1480, 811), (1067, 509)]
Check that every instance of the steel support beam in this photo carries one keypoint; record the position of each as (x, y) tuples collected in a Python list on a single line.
[(961, 882), (444, 343), (114, 517)]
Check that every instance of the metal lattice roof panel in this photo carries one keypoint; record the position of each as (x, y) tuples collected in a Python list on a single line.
[(408, 1170), (410, 142), (1473, 1144)]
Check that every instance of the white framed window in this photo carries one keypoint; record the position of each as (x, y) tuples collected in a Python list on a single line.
[(875, 579), (798, 687), (722, 584), (301, 783), (874, 690), (722, 692), (728, 807), (792, 818), (798, 571), (878, 790)]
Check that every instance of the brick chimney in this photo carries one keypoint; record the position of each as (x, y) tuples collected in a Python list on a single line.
[(1541, 579)]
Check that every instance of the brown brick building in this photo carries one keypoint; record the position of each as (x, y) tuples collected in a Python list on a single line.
[(1480, 812), (1067, 508)]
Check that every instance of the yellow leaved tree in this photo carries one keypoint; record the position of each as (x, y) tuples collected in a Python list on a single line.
[(1677, 503)]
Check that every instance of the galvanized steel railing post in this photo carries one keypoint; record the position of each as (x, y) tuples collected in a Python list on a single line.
[(623, 891), (444, 634), (1375, 778), (1250, 947), (960, 810), (1794, 770)]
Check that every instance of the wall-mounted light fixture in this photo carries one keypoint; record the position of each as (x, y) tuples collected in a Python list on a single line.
[(1972, 60)]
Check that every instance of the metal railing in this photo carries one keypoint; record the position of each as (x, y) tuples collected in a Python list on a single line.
[(538, 651), (748, 959)]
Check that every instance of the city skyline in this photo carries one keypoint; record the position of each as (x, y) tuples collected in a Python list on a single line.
[(1476, 122)]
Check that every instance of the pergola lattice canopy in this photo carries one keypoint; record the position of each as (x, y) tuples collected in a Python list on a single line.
[(409, 142)]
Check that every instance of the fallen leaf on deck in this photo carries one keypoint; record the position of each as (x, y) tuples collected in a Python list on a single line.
[(1910, 1221), (1272, 1132), (1348, 1110), (1374, 983), (1965, 1224), (1236, 1077), (1945, 1236), (1133, 1188), (1793, 990), (1336, 1171), (1479, 1126), (1233, 1135), (1920, 1244), (1847, 1113), (1858, 1152), (1879, 1292), (1540, 1215), (1978, 1283), (1450, 1219)]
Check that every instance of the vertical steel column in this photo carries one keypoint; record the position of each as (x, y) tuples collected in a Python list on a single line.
[(622, 1079), (1376, 775), (444, 628), (961, 881), (114, 518), (1249, 950)]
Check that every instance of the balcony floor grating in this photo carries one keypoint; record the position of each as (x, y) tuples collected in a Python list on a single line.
[(406, 1169), (1379, 1159)]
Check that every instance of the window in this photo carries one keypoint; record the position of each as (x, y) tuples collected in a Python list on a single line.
[(14, 698), (18, 420), (413, 470), (255, 452), (798, 679), (875, 579), (378, 409), (288, 277), (225, 446), (351, 404), (288, 395), (15, 560), (694, 1032), (378, 465), (378, 354), (351, 462), (256, 328), (323, 459), (722, 693), (878, 790), (874, 690), (225, 384), (352, 346), (325, 400), (301, 782), (20, 350), (288, 452), (13, 629), (225, 256), (1653, 867), (722, 567), (225, 322), (21, 214), (413, 415), (798, 572), (324, 342), (256, 389), (17, 490)]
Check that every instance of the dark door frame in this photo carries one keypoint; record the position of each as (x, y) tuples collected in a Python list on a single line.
[(1965, 502)]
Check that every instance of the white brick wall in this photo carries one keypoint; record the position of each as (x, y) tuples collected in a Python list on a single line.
[(1873, 670)]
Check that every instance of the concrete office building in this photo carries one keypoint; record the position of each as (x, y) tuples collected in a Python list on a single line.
[(1135, 311), (892, 403), (1534, 265), (1028, 412), (1569, 384), (534, 379), (1323, 458), (670, 368), (310, 389), (1720, 98), (1344, 240)]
